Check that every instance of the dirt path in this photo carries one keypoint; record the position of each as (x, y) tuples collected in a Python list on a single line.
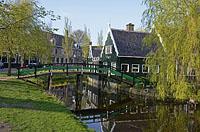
[(6, 78), (4, 127)]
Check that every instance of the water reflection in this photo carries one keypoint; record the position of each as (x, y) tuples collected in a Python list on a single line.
[(119, 112)]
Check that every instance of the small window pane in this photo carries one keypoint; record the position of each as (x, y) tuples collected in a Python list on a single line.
[(108, 49), (124, 68), (135, 68), (145, 69)]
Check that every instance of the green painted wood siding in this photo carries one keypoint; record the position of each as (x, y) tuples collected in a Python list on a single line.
[(109, 57)]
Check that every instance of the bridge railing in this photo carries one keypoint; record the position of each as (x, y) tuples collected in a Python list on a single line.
[(80, 68), (66, 67)]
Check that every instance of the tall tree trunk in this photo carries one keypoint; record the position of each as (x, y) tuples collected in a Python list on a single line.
[(9, 65)]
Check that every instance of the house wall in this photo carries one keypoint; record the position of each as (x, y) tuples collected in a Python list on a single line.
[(108, 58), (130, 61)]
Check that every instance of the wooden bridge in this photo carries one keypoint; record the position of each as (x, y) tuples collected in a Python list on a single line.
[(79, 68), (119, 112)]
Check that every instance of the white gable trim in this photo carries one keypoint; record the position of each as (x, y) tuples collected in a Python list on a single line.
[(104, 44), (115, 46), (90, 52), (111, 35), (133, 57)]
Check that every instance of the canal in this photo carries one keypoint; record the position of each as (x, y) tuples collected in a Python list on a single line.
[(114, 110)]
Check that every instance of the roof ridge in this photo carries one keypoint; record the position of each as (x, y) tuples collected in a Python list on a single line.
[(129, 31)]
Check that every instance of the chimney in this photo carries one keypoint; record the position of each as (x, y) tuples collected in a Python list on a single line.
[(90, 50), (130, 27)]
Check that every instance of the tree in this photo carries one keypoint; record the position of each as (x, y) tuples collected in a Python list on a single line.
[(78, 36), (175, 27), (86, 43), (22, 30), (69, 42), (100, 38)]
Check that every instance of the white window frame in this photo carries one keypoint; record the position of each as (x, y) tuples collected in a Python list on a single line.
[(143, 66), (138, 71), (114, 64), (105, 63), (158, 69), (108, 51), (127, 66), (190, 71)]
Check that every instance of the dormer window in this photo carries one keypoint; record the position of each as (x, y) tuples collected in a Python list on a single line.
[(53, 41), (108, 49)]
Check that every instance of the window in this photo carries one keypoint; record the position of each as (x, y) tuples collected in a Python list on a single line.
[(158, 68), (190, 72), (53, 59), (155, 68), (53, 41), (4, 59), (113, 64), (105, 63), (95, 59), (57, 61), (62, 60), (56, 51), (125, 67), (108, 49), (145, 69), (135, 68)]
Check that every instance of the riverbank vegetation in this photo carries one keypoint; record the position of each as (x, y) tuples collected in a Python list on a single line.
[(23, 32), (25, 107), (175, 31)]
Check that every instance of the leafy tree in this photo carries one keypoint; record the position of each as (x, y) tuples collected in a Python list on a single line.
[(69, 42), (23, 31), (85, 44), (100, 38), (176, 30), (78, 36)]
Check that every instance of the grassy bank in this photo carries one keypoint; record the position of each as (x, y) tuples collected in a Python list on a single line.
[(25, 107)]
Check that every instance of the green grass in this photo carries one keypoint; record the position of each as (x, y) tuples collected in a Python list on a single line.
[(29, 109)]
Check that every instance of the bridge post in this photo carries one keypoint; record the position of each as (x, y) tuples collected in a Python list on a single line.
[(67, 69), (110, 70), (49, 81), (18, 72), (122, 76), (77, 95), (35, 71), (95, 68)]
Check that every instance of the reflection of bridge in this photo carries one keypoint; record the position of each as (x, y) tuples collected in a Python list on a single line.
[(79, 68), (118, 112)]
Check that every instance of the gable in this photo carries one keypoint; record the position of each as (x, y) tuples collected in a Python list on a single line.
[(130, 43)]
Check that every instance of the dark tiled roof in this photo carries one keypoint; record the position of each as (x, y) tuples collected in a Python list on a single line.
[(59, 39), (96, 51), (130, 43)]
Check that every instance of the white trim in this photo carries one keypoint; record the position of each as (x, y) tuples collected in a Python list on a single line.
[(158, 69), (114, 64), (105, 63), (108, 31), (108, 51), (112, 38), (115, 46), (138, 71), (134, 57), (90, 52), (143, 69), (127, 66)]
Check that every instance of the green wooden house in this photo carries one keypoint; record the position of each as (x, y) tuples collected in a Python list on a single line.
[(94, 54), (125, 50)]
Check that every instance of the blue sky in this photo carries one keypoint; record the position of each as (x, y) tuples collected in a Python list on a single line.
[(96, 14)]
